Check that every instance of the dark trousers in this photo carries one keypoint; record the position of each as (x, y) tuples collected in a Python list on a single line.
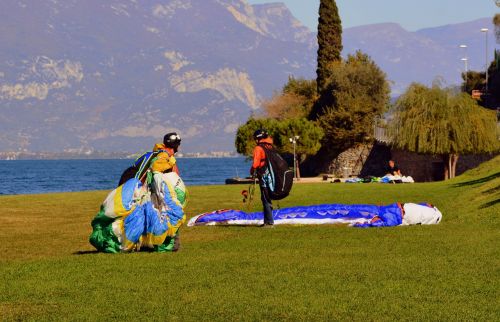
[(267, 205)]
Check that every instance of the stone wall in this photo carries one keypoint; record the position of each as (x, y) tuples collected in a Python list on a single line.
[(371, 160), (424, 168), (361, 160)]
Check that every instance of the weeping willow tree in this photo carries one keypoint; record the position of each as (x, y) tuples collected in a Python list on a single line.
[(442, 122)]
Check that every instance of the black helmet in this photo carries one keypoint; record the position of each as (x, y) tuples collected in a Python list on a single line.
[(172, 140), (260, 134)]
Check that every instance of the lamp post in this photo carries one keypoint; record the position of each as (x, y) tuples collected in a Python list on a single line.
[(293, 140), (485, 30), (465, 59)]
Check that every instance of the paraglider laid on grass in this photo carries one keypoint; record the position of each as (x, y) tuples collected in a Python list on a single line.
[(355, 215), (137, 215)]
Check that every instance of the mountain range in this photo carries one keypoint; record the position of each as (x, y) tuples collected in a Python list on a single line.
[(88, 75), (423, 55)]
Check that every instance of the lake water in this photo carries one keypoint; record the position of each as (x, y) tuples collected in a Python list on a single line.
[(42, 176)]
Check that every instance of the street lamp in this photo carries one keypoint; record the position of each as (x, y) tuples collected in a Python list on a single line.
[(293, 140), (465, 59), (485, 30)]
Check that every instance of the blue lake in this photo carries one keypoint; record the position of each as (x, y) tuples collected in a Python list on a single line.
[(42, 176)]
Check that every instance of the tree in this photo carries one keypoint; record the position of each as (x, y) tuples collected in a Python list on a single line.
[(302, 87), (496, 22), (473, 80), (283, 106), (442, 122), (295, 100), (493, 99), (308, 144), (329, 41), (244, 141), (356, 92), (477, 81)]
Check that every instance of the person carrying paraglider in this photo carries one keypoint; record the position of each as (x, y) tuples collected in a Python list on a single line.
[(165, 160), (160, 160), (261, 137)]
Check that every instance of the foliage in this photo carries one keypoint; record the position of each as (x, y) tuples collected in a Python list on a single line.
[(309, 141), (473, 80), (284, 106), (49, 272), (440, 122), (493, 100), (308, 144), (244, 141), (496, 22), (329, 41), (356, 92), (302, 87), (284, 117), (295, 100)]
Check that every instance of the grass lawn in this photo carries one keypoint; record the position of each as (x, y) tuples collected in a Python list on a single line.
[(49, 271)]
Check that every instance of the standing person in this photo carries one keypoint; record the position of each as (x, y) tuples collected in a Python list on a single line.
[(261, 137)]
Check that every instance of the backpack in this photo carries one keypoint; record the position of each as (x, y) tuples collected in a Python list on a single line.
[(139, 167), (275, 176)]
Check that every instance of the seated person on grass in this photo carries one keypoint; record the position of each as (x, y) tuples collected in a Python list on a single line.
[(392, 169)]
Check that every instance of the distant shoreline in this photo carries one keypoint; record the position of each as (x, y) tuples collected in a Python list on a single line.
[(16, 156)]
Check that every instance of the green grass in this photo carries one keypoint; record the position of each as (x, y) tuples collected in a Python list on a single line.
[(48, 271)]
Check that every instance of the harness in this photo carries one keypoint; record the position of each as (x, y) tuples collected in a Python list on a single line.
[(264, 146), (144, 161)]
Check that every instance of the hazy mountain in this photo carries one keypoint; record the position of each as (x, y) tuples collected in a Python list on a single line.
[(116, 75), (423, 55)]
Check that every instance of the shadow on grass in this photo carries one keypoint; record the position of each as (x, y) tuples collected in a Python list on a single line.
[(478, 181), (224, 225), (85, 252), (490, 204), (492, 190)]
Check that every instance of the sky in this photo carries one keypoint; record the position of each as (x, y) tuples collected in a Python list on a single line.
[(410, 14)]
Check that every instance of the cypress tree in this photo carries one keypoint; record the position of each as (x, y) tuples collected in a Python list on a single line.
[(329, 40), (496, 22)]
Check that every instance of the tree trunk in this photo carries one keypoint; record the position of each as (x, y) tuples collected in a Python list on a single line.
[(450, 165), (446, 161), (453, 168)]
